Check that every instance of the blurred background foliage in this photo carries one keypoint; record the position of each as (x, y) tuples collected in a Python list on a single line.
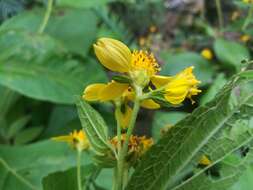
[(41, 74)]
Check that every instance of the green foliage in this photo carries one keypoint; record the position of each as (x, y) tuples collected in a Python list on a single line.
[(32, 65), (66, 180), (230, 53), (38, 160), (204, 132), (77, 41), (82, 3), (163, 121)]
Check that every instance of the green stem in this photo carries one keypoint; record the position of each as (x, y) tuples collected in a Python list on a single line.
[(78, 166), (117, 115), (46, 17), (219, 13), (124, 150), (248, 19)]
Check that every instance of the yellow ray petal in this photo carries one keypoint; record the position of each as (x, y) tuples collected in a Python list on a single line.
[(113, 54), (92, 92), (112, 91), (150, 104), (160, 81), (65, 138), (125, 117)]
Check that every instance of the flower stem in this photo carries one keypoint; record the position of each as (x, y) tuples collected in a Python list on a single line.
[(219, 13), (248, 19), (117, 115), (124, 150), (78, 166), (46, 17)]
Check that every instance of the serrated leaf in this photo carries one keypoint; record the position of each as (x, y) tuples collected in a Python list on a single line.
[(24, 167), (27, 135), (187, 140), (230, 53), (94, 126), (33, 65)]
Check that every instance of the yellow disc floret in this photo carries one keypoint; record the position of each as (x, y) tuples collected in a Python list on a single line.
[(143, 65)]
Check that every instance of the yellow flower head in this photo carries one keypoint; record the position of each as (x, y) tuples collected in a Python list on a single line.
[(207, 54), (137, 145), (245, 38), (143, 65), (116, 56), (77, 140), (183, 85), (205, 161), (247, 1)]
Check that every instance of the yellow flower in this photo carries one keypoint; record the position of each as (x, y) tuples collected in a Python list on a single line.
[(207, 54), (245, 38), (113, 91), (179, 87), (116, 56), (205, 161), (152, 29), (247, 1), (77, 140)]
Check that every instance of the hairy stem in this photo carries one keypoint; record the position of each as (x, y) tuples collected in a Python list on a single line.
[(124, 150), (78, 166), (46, 17)]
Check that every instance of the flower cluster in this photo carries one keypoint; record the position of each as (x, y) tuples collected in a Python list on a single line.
[(139, 78), (137, 146)]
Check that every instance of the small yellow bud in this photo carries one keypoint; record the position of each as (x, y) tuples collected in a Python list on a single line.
[(207, 54), (205, 161), (245, 38)]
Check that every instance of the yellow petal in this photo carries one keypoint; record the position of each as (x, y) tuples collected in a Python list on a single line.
[(112, 91), (113, 54), (150, 104), (125, 117), (92, 92), (66, 138), (160, 81)]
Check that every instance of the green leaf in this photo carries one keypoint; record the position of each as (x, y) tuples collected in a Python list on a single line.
[(94, 126), (230, 53), (245, 180), (8, 98), (74, 28), (162, 120), (217, 84), (27, 135), (82, 3), (24, 167), (247, 74), (17, 125), (104, 179), (32, 65), (66, 180), (187, 141), (176, 62)]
